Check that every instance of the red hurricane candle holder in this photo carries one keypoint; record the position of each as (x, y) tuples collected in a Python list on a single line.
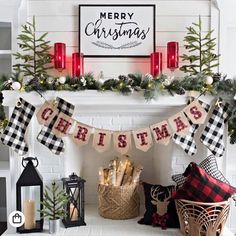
[(156, 63), (77, 64), (172, 55), (59, 56)]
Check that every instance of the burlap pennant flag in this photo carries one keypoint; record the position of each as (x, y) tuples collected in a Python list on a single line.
[(101, 140), (179, 124), (46, 113), (161, 132), (143, 139), (62, 125), (122, 141), (195, 112), (81, 134)]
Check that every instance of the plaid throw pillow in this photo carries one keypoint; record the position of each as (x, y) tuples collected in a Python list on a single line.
[(209, 165), (160, 210), (201, 187)]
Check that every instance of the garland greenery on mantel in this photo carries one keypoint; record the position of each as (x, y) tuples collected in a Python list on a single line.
[(198, 74)]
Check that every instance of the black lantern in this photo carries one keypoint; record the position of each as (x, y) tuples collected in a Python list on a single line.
[(29, 196), (74, 187)]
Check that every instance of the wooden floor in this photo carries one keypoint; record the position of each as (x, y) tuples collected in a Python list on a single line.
[(3, 227), (98, 226)]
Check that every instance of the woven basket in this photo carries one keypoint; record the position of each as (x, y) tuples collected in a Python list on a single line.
[(202, 219), (118, 203)]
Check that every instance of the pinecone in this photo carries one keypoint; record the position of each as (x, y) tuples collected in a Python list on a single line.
[(216, 77), (228, 82), (232, 140), (180, 91), (1, 97)]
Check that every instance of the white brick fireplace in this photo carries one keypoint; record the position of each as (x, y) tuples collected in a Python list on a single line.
[(109, 111)]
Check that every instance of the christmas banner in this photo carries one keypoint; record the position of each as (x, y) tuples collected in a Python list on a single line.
[(143, 139), (122, 141), (101, 140), (58, 123), (81, 134)]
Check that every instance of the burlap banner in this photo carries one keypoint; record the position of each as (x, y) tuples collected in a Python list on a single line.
[(161, 132), (81, 134), (101, 140), (143, 139), (46, 113), (122, 141)]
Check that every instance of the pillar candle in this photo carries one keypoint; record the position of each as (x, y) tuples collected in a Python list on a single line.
[(29, 212), (73, 212)]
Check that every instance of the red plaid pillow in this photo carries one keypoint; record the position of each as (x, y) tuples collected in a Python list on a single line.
[(201, 187)]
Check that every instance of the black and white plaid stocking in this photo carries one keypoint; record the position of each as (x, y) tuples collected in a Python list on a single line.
[(14, 134), (46, 136), (187, 142), (213, 133)]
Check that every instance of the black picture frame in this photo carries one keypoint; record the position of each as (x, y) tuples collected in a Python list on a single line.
[(152, 6)]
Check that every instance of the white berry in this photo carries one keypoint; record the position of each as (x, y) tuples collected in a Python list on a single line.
[(209, 80), (62, 79), (16, 85)]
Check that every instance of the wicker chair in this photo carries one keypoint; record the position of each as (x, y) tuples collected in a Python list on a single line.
[(202, 219)]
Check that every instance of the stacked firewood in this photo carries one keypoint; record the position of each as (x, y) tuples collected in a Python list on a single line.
[(121, 172)]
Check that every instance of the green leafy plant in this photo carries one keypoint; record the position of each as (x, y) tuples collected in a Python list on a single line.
[(54, 202), (35, 56), (202, 58)]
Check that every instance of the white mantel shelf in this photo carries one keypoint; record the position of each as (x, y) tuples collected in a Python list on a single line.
[(92, 100)]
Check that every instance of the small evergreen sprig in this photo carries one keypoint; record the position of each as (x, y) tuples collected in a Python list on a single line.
[(54, 202), (35, 56), (201, 47)]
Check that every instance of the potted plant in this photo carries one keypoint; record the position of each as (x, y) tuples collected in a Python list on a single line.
[(53, 206)]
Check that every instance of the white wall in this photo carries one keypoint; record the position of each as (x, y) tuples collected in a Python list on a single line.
[(60, 19)]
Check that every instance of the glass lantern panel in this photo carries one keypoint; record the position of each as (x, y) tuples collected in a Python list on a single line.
[(30, 202), (74, 204)]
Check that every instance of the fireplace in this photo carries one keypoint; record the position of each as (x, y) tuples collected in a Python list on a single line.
[(109, 111)]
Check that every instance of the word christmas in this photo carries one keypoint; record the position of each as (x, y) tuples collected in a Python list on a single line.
[(56, 119), (161, 132)]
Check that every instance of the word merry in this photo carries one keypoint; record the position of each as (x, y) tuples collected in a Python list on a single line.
[(116, 15)]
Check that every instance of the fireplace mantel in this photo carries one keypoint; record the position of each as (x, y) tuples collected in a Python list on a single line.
[(91, 100)]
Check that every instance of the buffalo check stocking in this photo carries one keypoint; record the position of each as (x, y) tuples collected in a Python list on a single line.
[(213, 133), (14, 134), (46, 136), (187, 142)]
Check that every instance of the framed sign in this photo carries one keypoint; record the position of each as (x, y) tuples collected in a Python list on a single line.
[(117, 30)]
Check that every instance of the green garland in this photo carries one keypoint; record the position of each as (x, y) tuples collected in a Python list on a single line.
[(151, 88)]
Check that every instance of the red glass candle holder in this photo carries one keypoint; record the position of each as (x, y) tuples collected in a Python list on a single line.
[(59, 56), (172, 55), (156, 63), (77, 64)]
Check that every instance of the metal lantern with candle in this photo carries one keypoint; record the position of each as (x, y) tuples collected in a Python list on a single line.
[(77, 64), (59, 56), (74, 187), (156, 63), (29, 195), (172, 55)]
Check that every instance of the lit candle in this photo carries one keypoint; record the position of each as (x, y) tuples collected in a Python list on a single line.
[(59, 56), (29, 212), (172, 55), (77, 64), (73, 212), (156, 63)]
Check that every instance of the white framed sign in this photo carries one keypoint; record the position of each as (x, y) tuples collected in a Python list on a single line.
[(117, 30)]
